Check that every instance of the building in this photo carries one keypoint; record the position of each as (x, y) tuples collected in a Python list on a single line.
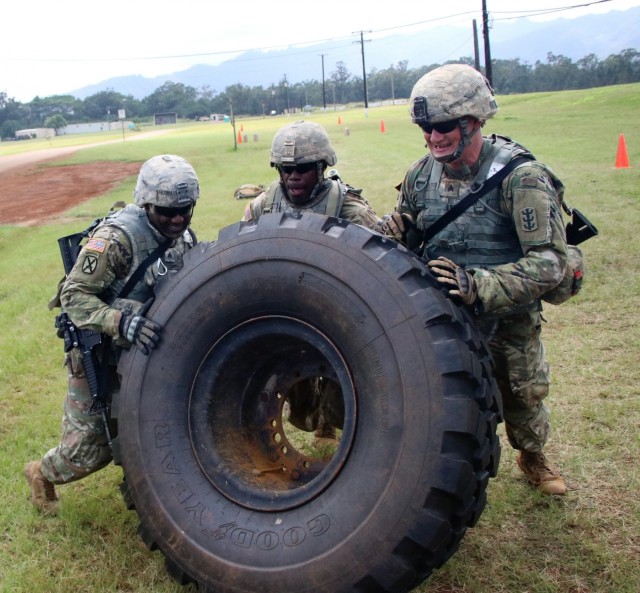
[(30, 133)]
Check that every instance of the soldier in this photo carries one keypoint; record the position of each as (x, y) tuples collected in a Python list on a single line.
[(501, 255), (157, 223), (301, 152)]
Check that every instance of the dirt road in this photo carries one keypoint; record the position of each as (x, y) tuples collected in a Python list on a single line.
[(32, 193)]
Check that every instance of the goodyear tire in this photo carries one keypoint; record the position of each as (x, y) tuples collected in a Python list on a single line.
[(209, 462)]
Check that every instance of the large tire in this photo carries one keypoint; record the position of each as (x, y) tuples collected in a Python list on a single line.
[(208, 463)]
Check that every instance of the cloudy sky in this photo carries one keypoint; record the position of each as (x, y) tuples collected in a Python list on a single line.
[(51, 48)]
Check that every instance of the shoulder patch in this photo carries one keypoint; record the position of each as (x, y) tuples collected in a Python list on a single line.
[(529, 181), (89, 264), (528, 219), (98, 245)]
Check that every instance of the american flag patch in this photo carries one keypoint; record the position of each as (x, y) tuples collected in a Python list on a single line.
[(96, 245)]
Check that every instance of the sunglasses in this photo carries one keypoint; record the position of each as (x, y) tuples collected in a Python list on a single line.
[(171, 212), (300, 169), (443, 127)]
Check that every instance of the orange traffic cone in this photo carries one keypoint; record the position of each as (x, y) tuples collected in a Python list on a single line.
[(622, 158), (239, 138), (339, 120), (382, 128)]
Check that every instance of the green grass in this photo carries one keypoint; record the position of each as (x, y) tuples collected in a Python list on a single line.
[(586, 542)]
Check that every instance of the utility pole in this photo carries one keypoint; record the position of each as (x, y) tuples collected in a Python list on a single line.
[(233, 125), (324, 96), (393, 90), (487, 46), (476, 50), (286, 90), (364, 70)]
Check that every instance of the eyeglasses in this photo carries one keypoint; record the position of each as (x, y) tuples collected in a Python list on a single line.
[(171, 212), (300, 169), (443, 127)]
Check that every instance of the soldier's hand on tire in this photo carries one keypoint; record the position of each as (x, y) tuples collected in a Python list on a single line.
[(397, 224), (139, 330), (460, 284)]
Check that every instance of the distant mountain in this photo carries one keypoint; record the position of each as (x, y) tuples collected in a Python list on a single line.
[(529, 41)]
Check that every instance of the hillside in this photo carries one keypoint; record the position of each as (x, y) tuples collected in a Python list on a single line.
[(529, 41)]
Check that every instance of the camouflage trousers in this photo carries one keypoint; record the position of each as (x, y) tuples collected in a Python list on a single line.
[(83, 447), (523, 376)]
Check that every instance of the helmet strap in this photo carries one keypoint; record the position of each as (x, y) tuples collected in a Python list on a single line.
[(320, 168), (465, 140)]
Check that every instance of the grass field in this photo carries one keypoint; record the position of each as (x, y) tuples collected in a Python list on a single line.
[(586, 542)]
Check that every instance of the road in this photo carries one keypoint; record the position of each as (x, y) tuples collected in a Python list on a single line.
[(23, 159)]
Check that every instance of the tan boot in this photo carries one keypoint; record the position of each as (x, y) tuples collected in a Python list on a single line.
[(540, 473), (43, 493), (325, 437)]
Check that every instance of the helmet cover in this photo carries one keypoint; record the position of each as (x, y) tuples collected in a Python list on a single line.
[(302, 142), (450, 92), (166, 180)]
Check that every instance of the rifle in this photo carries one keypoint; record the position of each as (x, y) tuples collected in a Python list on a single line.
[(84, 339)]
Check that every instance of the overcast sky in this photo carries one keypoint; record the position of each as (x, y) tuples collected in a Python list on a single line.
[(53, 47)]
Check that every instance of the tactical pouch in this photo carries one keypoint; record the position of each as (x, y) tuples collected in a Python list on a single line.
[(572, 282), (248, 190), (579, 229)]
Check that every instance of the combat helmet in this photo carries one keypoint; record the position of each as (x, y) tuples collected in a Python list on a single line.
[(166, 180), (449, 92), (300, 143)]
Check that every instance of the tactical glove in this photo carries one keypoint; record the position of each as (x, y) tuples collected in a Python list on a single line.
[(397, 225), (460, 284), (139, 330)]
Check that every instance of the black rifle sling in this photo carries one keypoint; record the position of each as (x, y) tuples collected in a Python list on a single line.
[(472, 197)]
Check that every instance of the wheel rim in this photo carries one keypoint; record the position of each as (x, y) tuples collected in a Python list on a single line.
[(243, 444)]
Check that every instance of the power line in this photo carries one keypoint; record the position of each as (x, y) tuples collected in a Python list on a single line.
[(518, 14), (540, 11)]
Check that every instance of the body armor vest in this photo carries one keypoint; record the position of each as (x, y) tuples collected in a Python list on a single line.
[(133, 222), (483, 235), (329, 201)]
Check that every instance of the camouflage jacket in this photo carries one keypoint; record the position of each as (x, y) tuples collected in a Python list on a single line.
[(348, 201), (109, 257), (530, 249)]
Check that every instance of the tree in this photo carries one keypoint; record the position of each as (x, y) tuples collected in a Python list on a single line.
[(621, 68), (510, 76), (11, 111), (8, 128), (65, 105), (173, 96), (104, 105), (340, 78), (56, 122)]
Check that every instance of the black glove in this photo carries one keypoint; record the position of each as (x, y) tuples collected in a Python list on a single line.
[(461, 284), (139, 330)]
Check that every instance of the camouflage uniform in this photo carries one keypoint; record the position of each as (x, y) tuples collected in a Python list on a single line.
[(334, 199), (303, 143), (90, 297), (512, 241), (315, 403)]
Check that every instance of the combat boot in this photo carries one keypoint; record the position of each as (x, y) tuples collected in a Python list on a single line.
[(540, 473), (325, 436), (43, 493)]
